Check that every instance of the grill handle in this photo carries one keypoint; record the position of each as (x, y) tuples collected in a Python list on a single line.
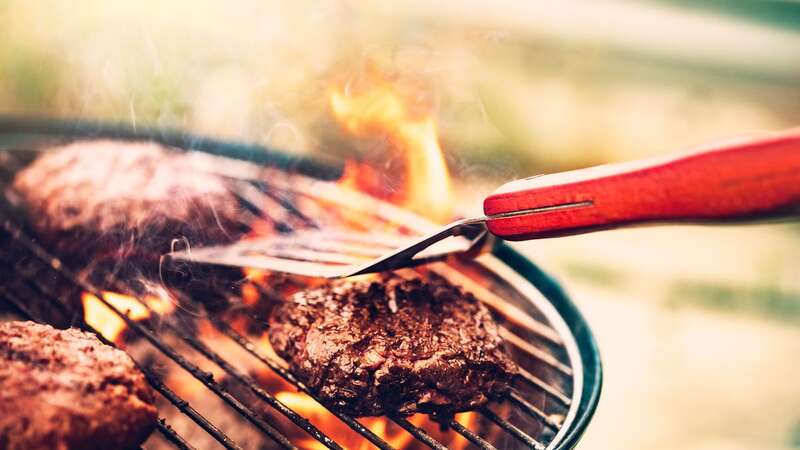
[(745, 180)]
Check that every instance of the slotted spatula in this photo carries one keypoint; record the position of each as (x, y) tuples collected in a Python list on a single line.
[(753, 179)]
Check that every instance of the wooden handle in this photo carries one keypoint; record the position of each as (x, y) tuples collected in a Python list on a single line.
[(746, 180)]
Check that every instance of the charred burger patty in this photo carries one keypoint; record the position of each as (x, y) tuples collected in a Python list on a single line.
[(64, 390), (393, 345), (124, 200)]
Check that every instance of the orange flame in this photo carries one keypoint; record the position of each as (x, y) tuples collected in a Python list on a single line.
[(393, 434), (377, 108), (381, 426), (103, 319)]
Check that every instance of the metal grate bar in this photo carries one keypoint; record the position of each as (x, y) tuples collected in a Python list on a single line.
[(258, 206), (535, 352), (206, 378), (184, 407), (474, 438), (286, 204), (203, 377), (170, 434), (505, 309), (251, 348), (247, 381), (417, 432), (533, 410), (20, 307), (536, 381), (511, 429)]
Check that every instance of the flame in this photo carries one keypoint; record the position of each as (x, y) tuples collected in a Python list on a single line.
[(378, 108), (394, 435), (381, 426), (256, 275), (261, 227), (188, 386), (359, 176), (103, 319), (250, 294), (160, 305)]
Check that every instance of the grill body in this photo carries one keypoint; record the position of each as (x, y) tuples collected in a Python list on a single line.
[(573, 369)]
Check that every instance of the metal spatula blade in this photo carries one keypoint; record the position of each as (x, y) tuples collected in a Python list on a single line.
[(339, 254)]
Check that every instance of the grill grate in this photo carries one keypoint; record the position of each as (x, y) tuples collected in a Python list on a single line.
[(32, 265)]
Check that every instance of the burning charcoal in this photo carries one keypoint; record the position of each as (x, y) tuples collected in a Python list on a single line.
[(393, 345), (64, 389)]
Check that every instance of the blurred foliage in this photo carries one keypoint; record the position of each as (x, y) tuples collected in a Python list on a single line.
[(765, 301), (794, 439), (773, 12), (764, 295), (30, 74), (596, 275)]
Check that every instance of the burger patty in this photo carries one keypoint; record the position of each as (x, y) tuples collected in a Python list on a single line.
[(393, 345), (64, 389), (125, 201)]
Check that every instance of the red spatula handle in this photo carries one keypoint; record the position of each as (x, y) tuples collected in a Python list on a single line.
[(741, 181)]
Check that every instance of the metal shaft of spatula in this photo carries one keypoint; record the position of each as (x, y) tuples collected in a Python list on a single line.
[(747, 180)]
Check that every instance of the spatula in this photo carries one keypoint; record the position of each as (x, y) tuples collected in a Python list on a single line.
[(746, 180)]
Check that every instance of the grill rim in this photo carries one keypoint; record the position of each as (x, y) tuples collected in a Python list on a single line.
[(548, 287), (579, 328)]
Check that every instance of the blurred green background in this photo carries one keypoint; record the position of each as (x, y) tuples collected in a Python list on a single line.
[(699, 327)]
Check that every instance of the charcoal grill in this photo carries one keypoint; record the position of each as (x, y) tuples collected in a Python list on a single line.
[(553, 398)]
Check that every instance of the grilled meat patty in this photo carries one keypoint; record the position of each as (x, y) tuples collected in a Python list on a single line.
[(393, 345), (64, 390), (127, 201)]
